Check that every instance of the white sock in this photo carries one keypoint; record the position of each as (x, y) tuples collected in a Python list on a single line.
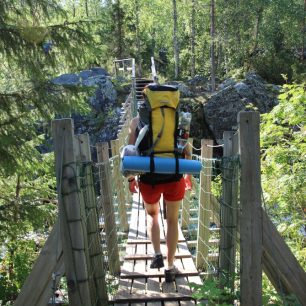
[(170, 267), (157, 253)]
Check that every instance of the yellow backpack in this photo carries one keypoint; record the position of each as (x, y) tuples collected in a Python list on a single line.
[(158, 115)]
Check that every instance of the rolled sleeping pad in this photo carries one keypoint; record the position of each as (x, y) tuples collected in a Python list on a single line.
[(164, 165)]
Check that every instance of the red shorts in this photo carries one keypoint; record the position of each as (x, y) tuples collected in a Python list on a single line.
[(173, 191)]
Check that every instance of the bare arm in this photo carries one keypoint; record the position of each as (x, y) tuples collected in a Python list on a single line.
[(132, 130), (188, 151)]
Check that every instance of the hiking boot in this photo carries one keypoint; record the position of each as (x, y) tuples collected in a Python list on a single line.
[(157, 261), (170, 274)]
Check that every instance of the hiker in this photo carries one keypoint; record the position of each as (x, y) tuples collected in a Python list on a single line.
[(151, 187)]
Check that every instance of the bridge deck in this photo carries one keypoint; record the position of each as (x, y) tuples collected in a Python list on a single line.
[(140, 285)]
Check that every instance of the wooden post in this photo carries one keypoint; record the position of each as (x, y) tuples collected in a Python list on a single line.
[(71, 224), (122, 141), (80, 157), (215, 207), (251, 213), (94, 248), (235, 187), (228, 233), (108, 210), (204, 204), (120, 188)]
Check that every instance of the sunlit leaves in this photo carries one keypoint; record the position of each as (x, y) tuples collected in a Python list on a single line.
[(284, 161)]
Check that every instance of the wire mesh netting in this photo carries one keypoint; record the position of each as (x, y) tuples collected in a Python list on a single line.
[(211, 227)]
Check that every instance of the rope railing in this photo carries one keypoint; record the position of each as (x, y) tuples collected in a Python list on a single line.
[(213, 238)]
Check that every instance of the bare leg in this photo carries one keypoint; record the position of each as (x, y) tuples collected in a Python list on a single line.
[(172, 229), (153, 225)]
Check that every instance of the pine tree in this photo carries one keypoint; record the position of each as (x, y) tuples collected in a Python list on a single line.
[(37, 42)]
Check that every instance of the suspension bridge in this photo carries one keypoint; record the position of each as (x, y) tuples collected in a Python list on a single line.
[(99, 247)]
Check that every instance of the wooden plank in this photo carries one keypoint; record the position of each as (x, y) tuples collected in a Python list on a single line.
[(153, 286), (187, 303), (139, 284), (150, 296), (149, 256), (134, 220), (71, 224), (156, 273), (279, 258), (39, 282), (171, 303), (251, 213), (125, 285), (182, 282), (147, 241), (188, 263), (168, 287)]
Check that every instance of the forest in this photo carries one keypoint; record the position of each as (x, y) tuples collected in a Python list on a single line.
[(213, 39)]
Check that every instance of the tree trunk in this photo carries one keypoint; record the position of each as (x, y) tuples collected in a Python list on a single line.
[(304, 34), (139, 59), (73, 9), (212, 45), (119, 17), (238, 35), (256, 28), (175, 41), (86, 8), (192, 42)]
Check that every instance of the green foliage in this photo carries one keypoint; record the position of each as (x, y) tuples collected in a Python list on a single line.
[(15, 266), (271, 297), (284, 165), (27, 205), (271, 66), (214, 293), (37, 43), (27, 200), (262, 35)]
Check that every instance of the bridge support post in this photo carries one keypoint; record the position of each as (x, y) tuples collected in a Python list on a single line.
[(228, 234), (251, 230), (204, 204), (71, 224), (123, 194), (89, 203), (107, 208)]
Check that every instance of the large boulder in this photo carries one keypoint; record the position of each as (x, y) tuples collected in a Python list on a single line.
[(220, 111), (102, 122)]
